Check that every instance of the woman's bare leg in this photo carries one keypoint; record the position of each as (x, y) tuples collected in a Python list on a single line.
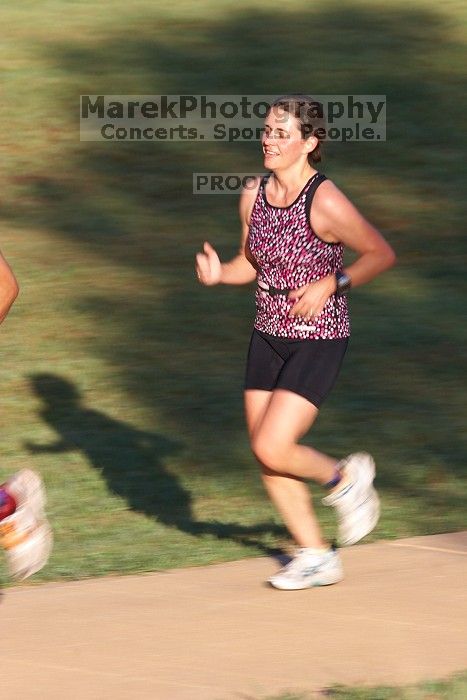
[(287, 418), (276, 420)]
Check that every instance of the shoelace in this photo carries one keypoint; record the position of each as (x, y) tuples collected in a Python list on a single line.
[(303, 561)]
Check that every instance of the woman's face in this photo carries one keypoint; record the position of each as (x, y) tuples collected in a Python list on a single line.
[(282, 140)]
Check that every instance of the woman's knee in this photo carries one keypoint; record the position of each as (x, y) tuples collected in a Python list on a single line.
[(270, 478), (269, 453)]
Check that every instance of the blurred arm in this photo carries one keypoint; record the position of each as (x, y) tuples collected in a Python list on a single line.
[(8, 288), (53, 448)]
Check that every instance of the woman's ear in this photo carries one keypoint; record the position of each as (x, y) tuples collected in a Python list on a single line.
[(311, 143)]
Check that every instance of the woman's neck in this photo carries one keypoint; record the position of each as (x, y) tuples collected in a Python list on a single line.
[(288, 181)]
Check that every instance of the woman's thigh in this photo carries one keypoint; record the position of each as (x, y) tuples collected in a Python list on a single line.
[(285, 419), (278, 415), (256, 404)]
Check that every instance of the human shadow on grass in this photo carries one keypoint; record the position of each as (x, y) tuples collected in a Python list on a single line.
[(132, 463)]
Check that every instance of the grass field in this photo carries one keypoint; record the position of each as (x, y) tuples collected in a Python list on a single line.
[(121, 378), (454, 688)]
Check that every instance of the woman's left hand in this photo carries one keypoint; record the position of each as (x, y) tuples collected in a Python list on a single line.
[(311, 298)]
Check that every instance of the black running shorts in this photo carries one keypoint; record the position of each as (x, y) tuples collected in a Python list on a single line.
[(306, 367)]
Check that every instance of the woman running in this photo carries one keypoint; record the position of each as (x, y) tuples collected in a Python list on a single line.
[(25, 533), (294, 229)]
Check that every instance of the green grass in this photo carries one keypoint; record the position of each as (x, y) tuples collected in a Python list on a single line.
[(454, 688), (121, 378)]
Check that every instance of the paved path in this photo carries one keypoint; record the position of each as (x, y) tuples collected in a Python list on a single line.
[(217, 633)]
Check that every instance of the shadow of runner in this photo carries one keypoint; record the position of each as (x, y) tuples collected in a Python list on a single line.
[(131, 461)]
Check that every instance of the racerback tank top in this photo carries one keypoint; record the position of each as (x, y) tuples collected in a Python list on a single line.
[(288, 254)]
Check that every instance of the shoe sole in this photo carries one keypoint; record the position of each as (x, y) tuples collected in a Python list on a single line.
[(368, 525), (365, 474), (367, 468), (326, 577), (44, 534), (324, 581)]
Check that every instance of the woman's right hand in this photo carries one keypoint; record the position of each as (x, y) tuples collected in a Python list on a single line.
[(208, 266)]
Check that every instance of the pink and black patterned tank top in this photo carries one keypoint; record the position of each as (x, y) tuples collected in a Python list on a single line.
[(288, 254)]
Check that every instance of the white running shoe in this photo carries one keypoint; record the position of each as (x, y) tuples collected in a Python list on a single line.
[(355, 499), (309, 568), (26, 535)]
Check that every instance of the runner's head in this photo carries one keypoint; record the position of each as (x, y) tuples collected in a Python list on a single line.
[(293, 130)]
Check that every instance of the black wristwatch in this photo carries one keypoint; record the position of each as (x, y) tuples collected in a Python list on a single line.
[(343, 283)]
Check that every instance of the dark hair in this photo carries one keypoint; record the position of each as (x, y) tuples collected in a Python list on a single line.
[(310, 116)]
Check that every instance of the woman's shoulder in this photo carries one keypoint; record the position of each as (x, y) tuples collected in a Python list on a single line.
[(332, 212), (328, 195), (251, 183)]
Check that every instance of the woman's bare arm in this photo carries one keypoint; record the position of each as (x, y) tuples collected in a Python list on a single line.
[(8, 288), (239, 270), (335, 219)]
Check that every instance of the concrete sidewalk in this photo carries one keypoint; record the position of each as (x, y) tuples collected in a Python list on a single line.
[(217, 633)]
